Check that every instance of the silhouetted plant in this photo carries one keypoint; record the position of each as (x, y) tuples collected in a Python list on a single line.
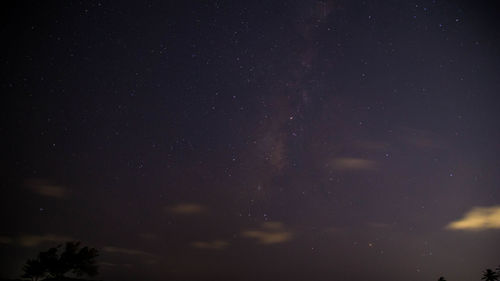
[(441, 279), (490, 275), (34, 270), (76, 260)]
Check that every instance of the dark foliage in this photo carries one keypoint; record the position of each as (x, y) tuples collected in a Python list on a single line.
[(490, 275), (34, 269), (54, 266)]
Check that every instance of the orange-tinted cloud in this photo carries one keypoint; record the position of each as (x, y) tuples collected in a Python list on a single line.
[(186, 209), (478, 218), (45, 188), (269, 233)]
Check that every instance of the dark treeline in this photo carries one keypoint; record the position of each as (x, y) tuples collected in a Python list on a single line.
[(58, 262), (71, 261), (488, 275)]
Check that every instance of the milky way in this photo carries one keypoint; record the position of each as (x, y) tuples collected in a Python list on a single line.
[(249, 140)]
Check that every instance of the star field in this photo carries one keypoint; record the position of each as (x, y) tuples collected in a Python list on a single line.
[(253, 140)]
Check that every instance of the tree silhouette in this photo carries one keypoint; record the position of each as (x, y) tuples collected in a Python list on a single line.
[(34, 270), (441, 279), (73, 259), (490, 275)]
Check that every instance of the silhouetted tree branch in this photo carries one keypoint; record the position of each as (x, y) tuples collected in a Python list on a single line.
[(489, 275), (73, 259), (34, 270)]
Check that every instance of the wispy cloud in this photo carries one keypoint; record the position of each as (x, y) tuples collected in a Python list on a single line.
[(186, 209), (352, 164), (45, 188), (35, 240), (213, 245), (144, 257), (479, 218), (422, 138), (269, 233), (127, 251)]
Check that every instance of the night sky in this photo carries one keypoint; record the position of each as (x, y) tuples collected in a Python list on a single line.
[(253, 140)]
